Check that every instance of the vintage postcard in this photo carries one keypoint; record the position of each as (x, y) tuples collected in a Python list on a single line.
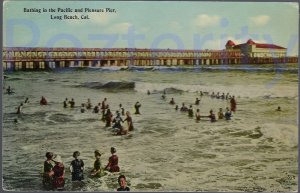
[(150, 96)]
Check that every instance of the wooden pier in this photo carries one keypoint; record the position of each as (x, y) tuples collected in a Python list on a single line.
[(26, 58)]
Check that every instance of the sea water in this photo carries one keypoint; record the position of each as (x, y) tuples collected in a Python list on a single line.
[(168, 151)]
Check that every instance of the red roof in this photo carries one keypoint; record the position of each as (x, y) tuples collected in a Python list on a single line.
[(272, 46), (230, 43), (251, 42)]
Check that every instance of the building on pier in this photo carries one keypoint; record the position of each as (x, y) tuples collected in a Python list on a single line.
[(253, 49)]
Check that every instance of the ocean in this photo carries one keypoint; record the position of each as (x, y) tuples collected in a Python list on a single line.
[(168, 151)]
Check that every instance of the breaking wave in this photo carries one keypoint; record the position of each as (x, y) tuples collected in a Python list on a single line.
[(109, 85), (246, 68)]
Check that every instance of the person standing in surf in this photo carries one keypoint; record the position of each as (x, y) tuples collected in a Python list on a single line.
[(66, 103), (104, 104), (72, 103), (213, 95), (96, 109), (278, 108), (220, 113), (212, 116), (172, 102), (43, 101), (191, 111), (137, 108), (108, 118), (47, 170), (198, 117), (233, 104), (82, 110), (9, 90), (197, 102), (117, 121), (88, 104), (58, 173), (227, 96), (228, 114), (113, 160), (223, 96), (19, 109), (96, 172), (77, 167), (26, 100), (201, 93), (129, 121), (183, 108), (121, 109), (103, 115)]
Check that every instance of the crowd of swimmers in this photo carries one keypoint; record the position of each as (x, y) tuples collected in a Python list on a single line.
[(111, 120), (54, 170), (221, 114), (43, 101), (114, 121)]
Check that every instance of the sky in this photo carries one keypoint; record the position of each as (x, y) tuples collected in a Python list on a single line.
[(155, 24)]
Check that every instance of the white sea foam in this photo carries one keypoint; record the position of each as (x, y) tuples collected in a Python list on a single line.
[(283, 133)]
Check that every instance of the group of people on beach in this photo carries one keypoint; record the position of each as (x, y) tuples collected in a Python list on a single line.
[(54, 169)]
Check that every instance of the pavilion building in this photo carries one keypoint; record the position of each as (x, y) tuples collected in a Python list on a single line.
[(257, 50)]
